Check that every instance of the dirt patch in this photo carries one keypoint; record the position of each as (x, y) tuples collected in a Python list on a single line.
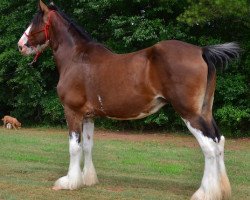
[(182, 140), (238, 144)]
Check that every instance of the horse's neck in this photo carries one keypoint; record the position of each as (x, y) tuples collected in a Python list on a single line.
[(64, 43)]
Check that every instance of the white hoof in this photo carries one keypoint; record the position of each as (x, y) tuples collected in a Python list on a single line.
[(89, 176), (68, 183), (200, 194)]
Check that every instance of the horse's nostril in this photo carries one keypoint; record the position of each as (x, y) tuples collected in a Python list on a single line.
[(20, 47), (27, 44)]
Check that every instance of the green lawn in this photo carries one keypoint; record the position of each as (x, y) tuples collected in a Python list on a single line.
[(168, 168)]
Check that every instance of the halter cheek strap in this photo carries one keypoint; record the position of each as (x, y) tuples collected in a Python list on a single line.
[(46, 33)]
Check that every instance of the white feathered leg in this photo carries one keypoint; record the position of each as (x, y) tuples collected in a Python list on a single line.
[(89, 173), (210, 188), (224, 181), (73, 179)]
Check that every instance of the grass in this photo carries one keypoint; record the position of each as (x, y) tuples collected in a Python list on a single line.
[(32, 159)]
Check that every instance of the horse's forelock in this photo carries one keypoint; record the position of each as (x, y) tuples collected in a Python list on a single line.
[(37, 19)]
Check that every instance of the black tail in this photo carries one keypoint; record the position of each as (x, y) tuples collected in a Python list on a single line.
[(213, 55), (221, 53)]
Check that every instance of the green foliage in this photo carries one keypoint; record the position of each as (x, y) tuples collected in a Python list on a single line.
[(135, 32), (52, 109), (124, 26), (160, 118), (206, 11), (231, 88), (232, 103), (232, 118)]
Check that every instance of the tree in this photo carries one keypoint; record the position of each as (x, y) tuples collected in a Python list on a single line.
[(127, 25)]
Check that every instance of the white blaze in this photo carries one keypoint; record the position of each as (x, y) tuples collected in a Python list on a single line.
[(24, 39), (25, 50)]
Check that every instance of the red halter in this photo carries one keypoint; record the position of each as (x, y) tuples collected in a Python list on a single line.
[(46, 33)]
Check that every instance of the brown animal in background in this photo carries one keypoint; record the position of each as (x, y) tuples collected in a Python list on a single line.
[(13, 121)]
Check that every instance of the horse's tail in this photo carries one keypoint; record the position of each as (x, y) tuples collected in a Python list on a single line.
[(221, 53), (215, 54)]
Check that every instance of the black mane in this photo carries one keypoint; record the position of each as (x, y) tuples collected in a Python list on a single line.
[(39, 17)]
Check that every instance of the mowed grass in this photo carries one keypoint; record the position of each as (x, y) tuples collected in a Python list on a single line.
[(168, 167)]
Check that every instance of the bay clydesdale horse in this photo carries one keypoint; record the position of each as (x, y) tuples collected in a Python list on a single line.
[(97, 82)]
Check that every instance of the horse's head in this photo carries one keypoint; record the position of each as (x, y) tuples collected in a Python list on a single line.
[(36, 37)]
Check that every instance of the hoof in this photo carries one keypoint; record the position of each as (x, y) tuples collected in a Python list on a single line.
[(89, 176), (90, 180), (68, 183), (202, 195)]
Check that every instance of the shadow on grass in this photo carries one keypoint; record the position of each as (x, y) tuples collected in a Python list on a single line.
[(177, 187)]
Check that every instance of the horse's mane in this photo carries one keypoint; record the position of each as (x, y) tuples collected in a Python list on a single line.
[(39, 17)]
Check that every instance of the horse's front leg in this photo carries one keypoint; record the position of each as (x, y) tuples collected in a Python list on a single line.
[(89, 173), (73, 179)]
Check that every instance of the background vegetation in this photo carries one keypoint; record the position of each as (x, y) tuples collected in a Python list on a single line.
[(29, 93)]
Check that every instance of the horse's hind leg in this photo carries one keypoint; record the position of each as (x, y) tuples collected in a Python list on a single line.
[(198, 117), (193, 100), (73, 179), (89, 173), (215, 184), (224, 181)]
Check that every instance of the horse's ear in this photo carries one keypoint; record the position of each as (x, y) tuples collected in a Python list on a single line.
[(52, 3), (43, 7)]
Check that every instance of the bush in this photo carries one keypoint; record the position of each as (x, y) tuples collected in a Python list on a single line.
[(52, 109), (233, 120)]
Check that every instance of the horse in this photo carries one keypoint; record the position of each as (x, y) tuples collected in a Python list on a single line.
[(94, 81)]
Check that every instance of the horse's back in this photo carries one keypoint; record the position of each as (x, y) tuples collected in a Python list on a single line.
[(178, 52)]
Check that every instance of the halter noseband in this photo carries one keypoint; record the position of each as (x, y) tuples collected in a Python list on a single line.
[(46, 33)]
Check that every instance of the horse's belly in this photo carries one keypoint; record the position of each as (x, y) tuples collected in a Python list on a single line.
[(150, 108)]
